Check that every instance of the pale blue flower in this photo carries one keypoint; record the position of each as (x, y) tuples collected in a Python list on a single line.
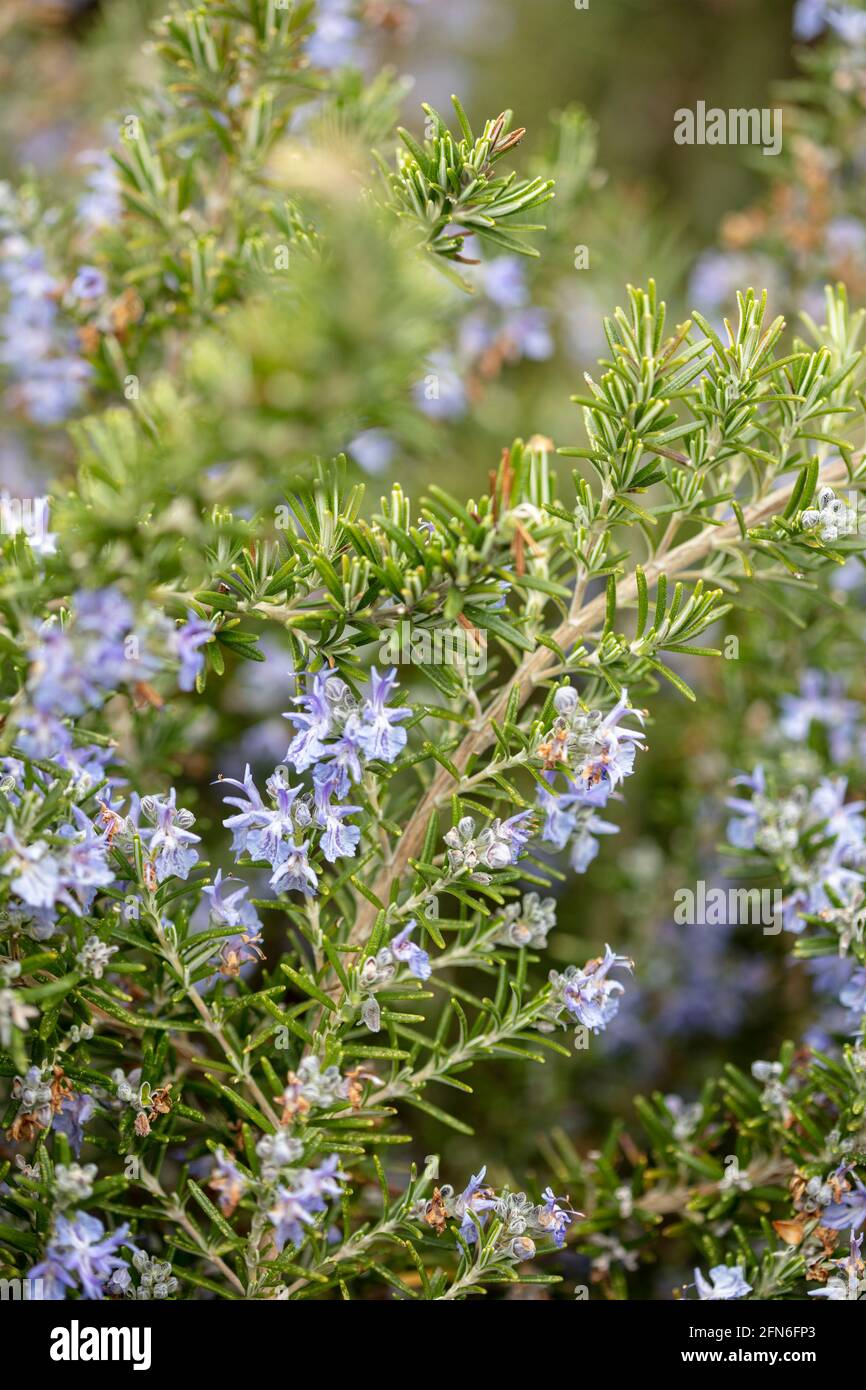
[(84, 866), (527, 334), (89, 283), (339, 840), (314, 725), (187, 642), (81, 1255), (296, 1205), (725, 1282), (441, 394), (853, 996), (34, 870), (584, 846), (553, 1218), (849, 1212), (230, 911), (477, 1199), (378, 730), (588, 995), (821, 701), (101, 205), (171, 844), (294, 872), (417, 959)]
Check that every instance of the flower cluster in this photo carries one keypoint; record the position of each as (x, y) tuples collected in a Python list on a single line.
[(593, 754), (155, 1279), (46, 878), (830, 517), (48, 373), (299, 1200), (821, 701), (519, 1222), (587, 997), (784, 828), (76, 665), (410, 849), (337, 736), (497, 846)]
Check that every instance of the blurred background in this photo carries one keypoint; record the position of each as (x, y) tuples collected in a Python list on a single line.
[(597, 89), (640, 204)]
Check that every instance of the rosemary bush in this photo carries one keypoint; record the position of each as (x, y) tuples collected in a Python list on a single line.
[(227, 995)]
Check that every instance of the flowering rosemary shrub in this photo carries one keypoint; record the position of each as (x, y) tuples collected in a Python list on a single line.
[(228, 995)]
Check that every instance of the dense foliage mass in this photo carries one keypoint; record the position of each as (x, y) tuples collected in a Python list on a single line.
[(249, 963)]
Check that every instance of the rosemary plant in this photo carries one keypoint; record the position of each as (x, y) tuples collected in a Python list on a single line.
[(227, 995)]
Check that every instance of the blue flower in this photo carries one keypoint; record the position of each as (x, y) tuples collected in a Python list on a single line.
[(103, 612), (377, 730), (848, 22), (374, 449), (410, 954), (84, 867), (252, 815), (89, 283), (264, 832), (843, 820), (75, 668), (504, 281), (441, 394), (35, 871), (339, 840), (170, 844), (584, 846), (314, 724), (75, 1110), (186, 642), (526, 333), (853, 995), (342, 766), (334, 42), (228, 1181), (553, 1218), (588, 995), (560, 822), (58, 681), (725, 1282), (475, 1199), (101, 205), (244, 947), (743, 829), (821, 701), (81, 1255), (810, 17), (848, 1212), (296, 1206), (294, 872)]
